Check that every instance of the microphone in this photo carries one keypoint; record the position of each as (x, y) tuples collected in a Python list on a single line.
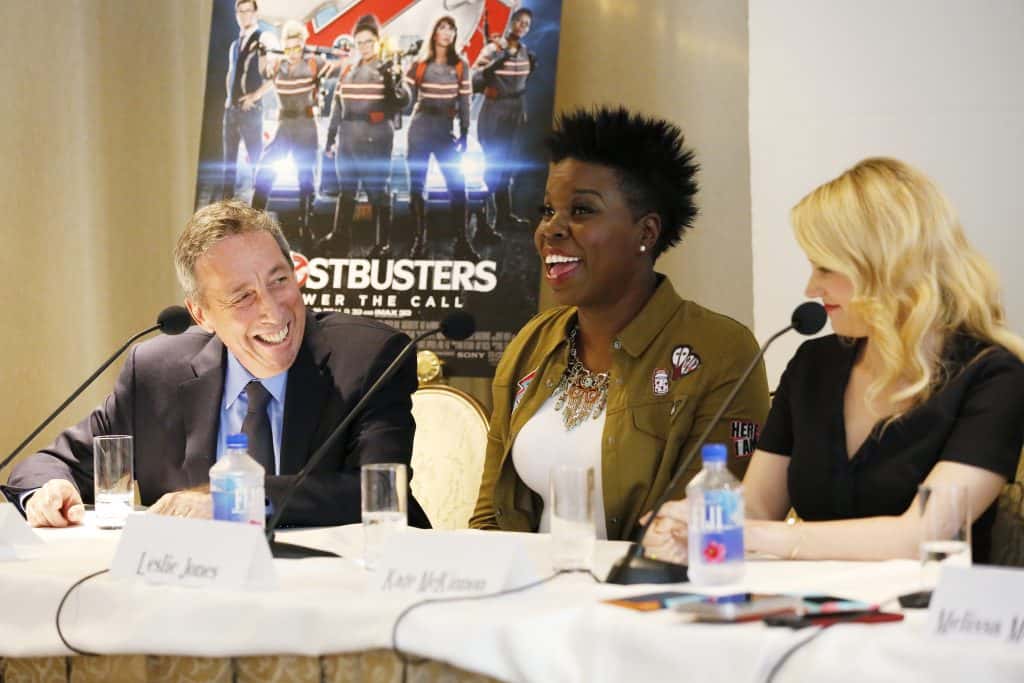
[(634, 567), (172, 320), (808, 318), (456, 326)]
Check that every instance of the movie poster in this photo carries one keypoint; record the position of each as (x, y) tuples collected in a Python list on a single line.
[(399, 143)]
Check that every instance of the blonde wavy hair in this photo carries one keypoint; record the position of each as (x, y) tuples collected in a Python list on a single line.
[(916, 279)]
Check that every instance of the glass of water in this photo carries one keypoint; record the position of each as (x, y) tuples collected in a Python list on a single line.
[(572, 518), (113, 479), (385, 490), (945, 529)]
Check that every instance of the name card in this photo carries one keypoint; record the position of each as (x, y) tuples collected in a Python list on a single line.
[(16, 536), (195, 553), (449, 563), (981, 603)]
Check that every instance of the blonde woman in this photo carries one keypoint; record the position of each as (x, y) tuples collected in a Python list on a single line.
[(921, 382), (297, 80)]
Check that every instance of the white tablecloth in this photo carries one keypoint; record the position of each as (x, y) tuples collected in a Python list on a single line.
[(556, 632)]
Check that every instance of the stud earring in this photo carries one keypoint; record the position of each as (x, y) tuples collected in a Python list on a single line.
[(643, 248)]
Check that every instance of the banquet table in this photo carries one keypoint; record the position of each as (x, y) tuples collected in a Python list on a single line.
[(327, 622)]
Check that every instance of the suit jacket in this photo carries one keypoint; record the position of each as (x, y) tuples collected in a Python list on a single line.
[(168, 397)]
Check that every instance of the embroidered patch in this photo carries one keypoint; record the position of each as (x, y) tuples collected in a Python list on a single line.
[(521, 386), (744, 437), (684, 361), (660, 382)]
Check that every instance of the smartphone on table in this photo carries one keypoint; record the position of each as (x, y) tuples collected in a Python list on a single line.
[(805, 620), (649, 602), (741, 607)]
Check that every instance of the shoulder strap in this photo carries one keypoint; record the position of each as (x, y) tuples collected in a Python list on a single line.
[(421, 69), (459, 70)]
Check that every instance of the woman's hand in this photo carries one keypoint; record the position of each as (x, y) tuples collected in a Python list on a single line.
[(666, 538)]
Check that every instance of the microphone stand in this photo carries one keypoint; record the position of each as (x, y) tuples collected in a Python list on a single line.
[(291, 551), (634, 567)]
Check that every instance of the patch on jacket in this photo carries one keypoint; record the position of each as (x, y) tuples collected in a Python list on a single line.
[(684, 361), (521, 386), (660, 382), (744, 437)]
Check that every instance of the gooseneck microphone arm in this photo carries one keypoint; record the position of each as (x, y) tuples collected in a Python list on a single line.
[(336, 435), (456, 326), (169, 320), (667, 493), (808, 318)]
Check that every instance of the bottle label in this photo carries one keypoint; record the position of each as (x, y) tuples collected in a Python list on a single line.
[(721, 527), (235, 503)]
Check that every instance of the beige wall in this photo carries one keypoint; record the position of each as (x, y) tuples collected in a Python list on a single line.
[(100, 141), (940, 89), (100, 116)]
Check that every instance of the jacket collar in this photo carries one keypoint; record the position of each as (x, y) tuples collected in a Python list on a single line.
[(305, 398), (656, 313), (200, 400)]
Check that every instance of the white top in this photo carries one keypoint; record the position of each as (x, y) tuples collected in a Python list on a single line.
[(544, 442)]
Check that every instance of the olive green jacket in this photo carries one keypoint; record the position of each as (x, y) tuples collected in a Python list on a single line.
[(657, 407)]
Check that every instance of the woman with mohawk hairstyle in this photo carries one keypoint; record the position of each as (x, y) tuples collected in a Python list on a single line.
[(922, 382), (624, 374)]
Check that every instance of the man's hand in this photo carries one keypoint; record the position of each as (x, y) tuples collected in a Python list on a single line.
[(667, 537), (57, 503), (248, 101), (190, 503)]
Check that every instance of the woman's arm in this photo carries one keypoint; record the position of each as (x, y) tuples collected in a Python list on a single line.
[(764, 495), (765, 490), (484, 515), (871, 538)]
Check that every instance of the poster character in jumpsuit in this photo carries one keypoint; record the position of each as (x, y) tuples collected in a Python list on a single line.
[(343, 47), (361, 135), (501, 73), (440, 84), (296, 79)]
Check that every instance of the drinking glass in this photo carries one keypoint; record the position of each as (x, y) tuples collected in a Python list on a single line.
[(113, 479), (572, 518), (384, 499), (945, 529)]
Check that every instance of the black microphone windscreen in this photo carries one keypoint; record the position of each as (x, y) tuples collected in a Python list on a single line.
[(174, 320), (458, 326), (809, 317)]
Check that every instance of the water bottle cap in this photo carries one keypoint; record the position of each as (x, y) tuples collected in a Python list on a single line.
[(714, 452), (238, 441)]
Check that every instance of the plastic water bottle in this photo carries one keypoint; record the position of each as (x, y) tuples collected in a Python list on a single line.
[(715, 538), (236, 484)]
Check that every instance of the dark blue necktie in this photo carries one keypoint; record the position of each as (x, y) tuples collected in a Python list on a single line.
[(256, 426)]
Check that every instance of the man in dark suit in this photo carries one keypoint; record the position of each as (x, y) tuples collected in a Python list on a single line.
[(255, 344)]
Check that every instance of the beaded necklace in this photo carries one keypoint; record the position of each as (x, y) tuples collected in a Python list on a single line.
[(580, 393)]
